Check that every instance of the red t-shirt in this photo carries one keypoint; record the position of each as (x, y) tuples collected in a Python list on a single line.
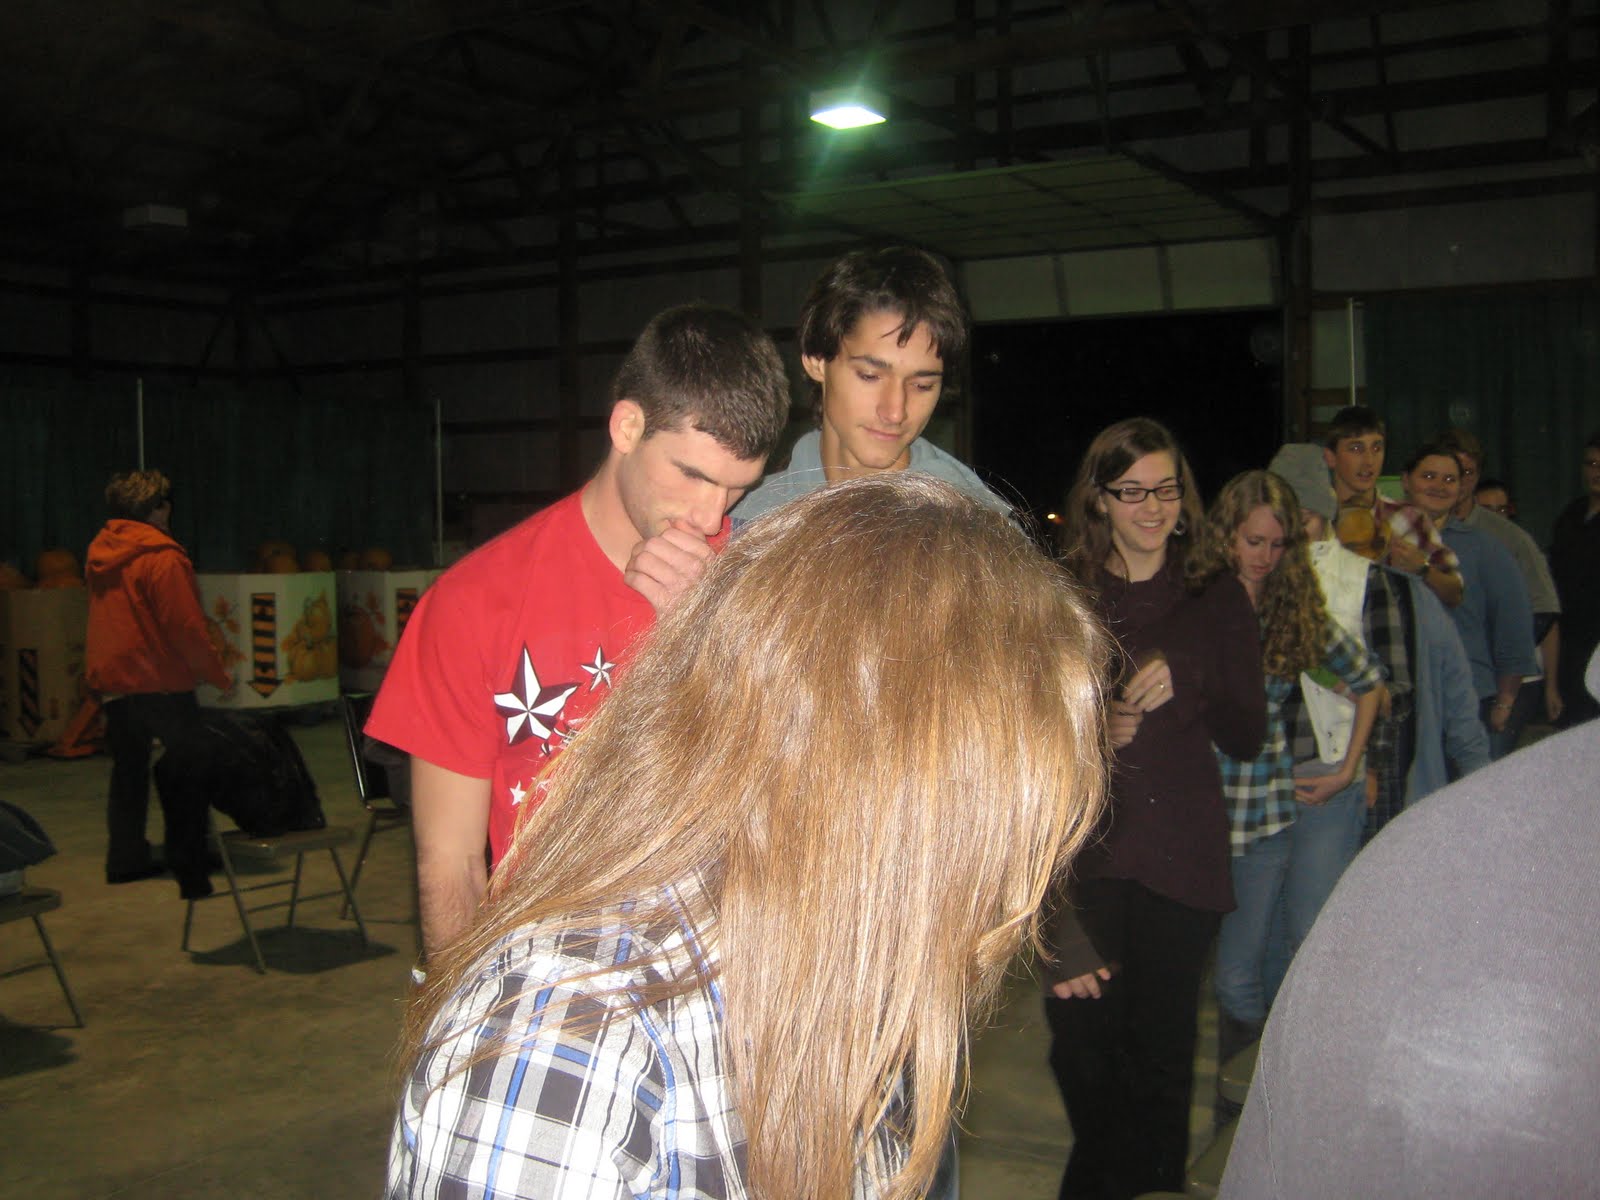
[(507, 654)]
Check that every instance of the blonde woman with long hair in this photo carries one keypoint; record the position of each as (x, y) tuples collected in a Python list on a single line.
[(737, 949), (1255, 533), (1132, 932)]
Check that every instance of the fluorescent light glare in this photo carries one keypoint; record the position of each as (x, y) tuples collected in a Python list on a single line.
[(848, 108)]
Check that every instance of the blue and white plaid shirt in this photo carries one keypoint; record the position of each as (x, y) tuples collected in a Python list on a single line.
[(588, 1097), (1259, 791)]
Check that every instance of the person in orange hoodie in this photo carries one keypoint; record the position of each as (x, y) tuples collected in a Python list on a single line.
[(146, 650)]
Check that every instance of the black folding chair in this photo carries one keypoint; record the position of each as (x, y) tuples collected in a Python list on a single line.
[(236, 844), (35, 902), (384, 812)]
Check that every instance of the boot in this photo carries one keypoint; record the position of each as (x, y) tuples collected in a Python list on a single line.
[(1233, 1035)]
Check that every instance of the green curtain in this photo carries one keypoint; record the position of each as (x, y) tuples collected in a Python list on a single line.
[(58, 446), (247, 463), (1522, 371)]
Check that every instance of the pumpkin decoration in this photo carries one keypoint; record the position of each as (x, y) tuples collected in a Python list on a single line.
[(58, 567), (282, 564), (360, 633), (270, 549), (349, 560), (222, 629), (312, 646), (376, 558), (317, 560), (11, 579)]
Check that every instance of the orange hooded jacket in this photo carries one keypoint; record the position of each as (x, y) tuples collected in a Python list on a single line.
[(147, 631)]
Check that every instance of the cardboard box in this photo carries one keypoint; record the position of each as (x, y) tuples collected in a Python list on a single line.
[(279, 636), (41, 661), (374, 607)]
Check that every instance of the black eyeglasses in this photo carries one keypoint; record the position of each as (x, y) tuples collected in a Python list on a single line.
[(1136, 495)]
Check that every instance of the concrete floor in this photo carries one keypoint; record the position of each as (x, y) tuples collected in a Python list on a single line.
[(197, 1077)]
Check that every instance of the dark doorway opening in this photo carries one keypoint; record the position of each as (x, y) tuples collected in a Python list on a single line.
[(1042, 390)]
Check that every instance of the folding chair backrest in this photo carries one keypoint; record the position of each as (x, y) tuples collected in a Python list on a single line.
[(372, 780)]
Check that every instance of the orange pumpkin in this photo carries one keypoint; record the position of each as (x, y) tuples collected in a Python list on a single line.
[(11, 579), (58, 562), (270, 549), (376, 558), (282, 564), (317, 560), (349, 560)]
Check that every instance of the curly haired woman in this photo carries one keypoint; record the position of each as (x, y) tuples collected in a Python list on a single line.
[(1255, 533)]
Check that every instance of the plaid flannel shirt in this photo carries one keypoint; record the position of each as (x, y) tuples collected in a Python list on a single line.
[(588, 1097), (1408, 523), (1259, 791), (1390, 521)]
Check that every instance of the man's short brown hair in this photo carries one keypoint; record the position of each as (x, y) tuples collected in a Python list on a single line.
[(713, 369), (1353, 420)]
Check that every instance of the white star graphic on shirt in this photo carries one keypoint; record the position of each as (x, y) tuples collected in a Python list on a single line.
[(529, 707), (518, 794), (599, 670)]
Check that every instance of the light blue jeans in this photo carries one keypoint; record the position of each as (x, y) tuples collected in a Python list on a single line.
[(1279, 885), (1323, 841)]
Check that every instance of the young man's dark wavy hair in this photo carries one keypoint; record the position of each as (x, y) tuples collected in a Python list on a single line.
[(901, 280)]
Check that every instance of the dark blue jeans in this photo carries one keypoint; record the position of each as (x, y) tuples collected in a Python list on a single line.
[(133, 723)]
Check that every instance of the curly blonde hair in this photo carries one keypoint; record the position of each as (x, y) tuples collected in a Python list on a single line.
[(1293, 613)]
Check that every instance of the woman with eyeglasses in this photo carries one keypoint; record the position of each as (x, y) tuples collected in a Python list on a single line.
[(1133, 925)]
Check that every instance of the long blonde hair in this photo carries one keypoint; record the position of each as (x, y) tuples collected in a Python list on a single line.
[(1293, 613), (874, 731)]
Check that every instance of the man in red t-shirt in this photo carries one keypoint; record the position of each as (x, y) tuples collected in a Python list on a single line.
[(506, 655)]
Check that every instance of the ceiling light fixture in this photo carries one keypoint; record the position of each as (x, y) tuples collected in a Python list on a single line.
[(849, 107)]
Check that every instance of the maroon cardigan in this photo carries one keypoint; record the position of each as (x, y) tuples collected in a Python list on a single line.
[(1167, 826)]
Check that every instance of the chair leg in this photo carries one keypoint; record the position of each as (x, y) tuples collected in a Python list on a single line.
[(61, 975), (349, 894), (238, 903), (188, 922), (361, 860), (294, 890)]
